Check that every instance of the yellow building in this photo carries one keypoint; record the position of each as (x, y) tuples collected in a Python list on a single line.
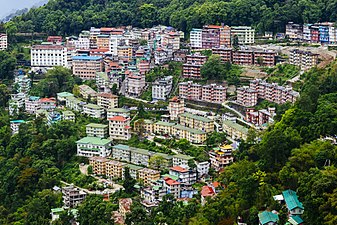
[(145, 125), (234, 130), (103, 41), (114, 169), (196, 122), (98, 165), (125, 52), (163, 127), (148, 175), (192, 135)]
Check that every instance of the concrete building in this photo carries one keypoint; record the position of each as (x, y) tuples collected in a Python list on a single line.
[(172, 186), (185, 176), (224, 53), (210, 36), (87, 92), (107, 100), (75, 104), (143, 125), (97, 130), (3, 42), (161, 88), (94, 111), (196, 122), (119, 128), (234, 130), (191, 69), (225, 36), (176, 106), (303, 59), (243, 57), (48, 56), (148, 175), (62, 97), (16, 103), (114, 169), (93, 146), (294, 31), (15, 124), (48, 104), (72, 196), (213, 93), (86, 67), (118, 112), (196, 38), (246, 96), (68, 115), (98, 165), (260, 117), (221, 157), (23, 83), (32, 104), (134, 84), (245, 34), (192, 135), (181, 160)]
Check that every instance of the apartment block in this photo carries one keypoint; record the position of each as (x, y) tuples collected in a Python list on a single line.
[(75, 104), (98, 165), (196, 38), (68, 115), (103, 41), (163, 128), (294, 31), (303, 59), (140, 157), (47, 104), (134, 84), (3, 42), (225, 36), (221, 157), (245, 34), (16, 103), (118, 112), (97, 130), (62, 96), (125, 52), (143, 125), (143, 66), (107, 100), (23, 83), (72, 196), (264, 58), (195, 136), (86, 67), (213, 93), (210, 36), (246, 96), (87, 92), (93, 146), (191, 69), (15, 124), (185, 176), (235, 130), (196, 122), (119, 128), (114, 169), (172, 186), (94, 111), (148, 175), (48, 56), (161, 88), (176, 106), (243, 57), (224, 53), (181, 160), (32, 104), (189, 90)]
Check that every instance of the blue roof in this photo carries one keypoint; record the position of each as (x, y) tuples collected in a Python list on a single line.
[(297, 219), (266, 217), (291, 200), (33, 98), (85, 57), (18, 121)]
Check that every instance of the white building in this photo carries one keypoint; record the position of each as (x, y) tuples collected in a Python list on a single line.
[(134, 85), (196, 38), (93, 110), (202, 168), (161, 88), (48, 56), (68, 115), (32, 104), (81, 43), (176, 106), (23, 83), (114, 43), (3, 42), (15, 124), (246, 35), (118, 112), (93, 146), (16, 103), (96, 130), (119, 128)]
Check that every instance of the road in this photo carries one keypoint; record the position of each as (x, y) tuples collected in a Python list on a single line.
[(234, 110)]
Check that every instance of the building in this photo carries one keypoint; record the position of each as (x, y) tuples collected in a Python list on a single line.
[(107, 100), (268, 218), (210, 36), (93, 146), (98, 165), (68, 115), (54, 39), (118, 112), (86, 67), (161, 88), (48, 56), (243, 57), (47, 104), (196, 38), (225, 36), (213, 93), (196, 122), (245, 35), (23, 83), (15, 124), (190, 91), (97, 130), (125, 206), (235, 130), (195, 136), (75, 104), (144, 126), (114, 169), (185, 176), (16, 103), (295, 207), (119, 128), (72, 196), (134, 84), (202, 168), (224, 53), (303, 59), (181, 160), (294, 31), (52, 117), (62, 97), (221, 157), (264, 58), (32, 104), (94, 111), (207, 191), (140, 157), (148, 175), (3, 42), (260, 117), (246, 96), (87, 92), (194, 62), (176, 106), (172, 187), (133, 169)]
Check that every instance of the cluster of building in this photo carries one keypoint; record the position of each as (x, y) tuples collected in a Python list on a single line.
[(3, 42), (324, 32), (208, 93), (258, 89)]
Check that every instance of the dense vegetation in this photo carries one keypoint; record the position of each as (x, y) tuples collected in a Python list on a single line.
[(70, 17)]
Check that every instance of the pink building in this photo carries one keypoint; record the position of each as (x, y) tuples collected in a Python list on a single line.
[(191, 68), (246, 96)]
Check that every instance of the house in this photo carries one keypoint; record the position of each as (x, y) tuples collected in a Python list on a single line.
[(32, 104), (118, 112), (172, 187), (119, 128), (62, 96), (181, 160), (72, 196), (295, 220), (268, 218), (47, 104), (55, 213), (87, 92), (68, 115), (107, 100), (176, 106), (3, 42), (93, 146), (52, 117), (97, 130), (202, 168), (295, 207), (185, 176), (207, 191), (94, 111)]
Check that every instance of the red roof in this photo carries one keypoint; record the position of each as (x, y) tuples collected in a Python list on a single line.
[(179, 169), (216, 184), (213, 26), (170, 181), (207, 191), (127, 127), (106, 29), (47, 100), (118, 118), (107, 95)]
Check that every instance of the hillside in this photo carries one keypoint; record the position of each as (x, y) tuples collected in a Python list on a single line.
[(70, 17)]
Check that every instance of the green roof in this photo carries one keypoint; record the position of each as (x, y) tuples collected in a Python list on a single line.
[(148, 121), (181, 156), (94, 141), (266, 217), (118, 110), (165, 123), (156, 187), (192, 116), (68, 113), (296, 219), (133, 167), (173, 177), (122, 147), (97, 125), (291, 200), (64, 94), (165, 156), (103, 75), (57, 210), (140, 151), (193, 131), (18, 121), (93, 106), (236, 126)]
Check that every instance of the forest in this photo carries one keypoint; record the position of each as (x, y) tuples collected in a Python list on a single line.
[(65, 17)]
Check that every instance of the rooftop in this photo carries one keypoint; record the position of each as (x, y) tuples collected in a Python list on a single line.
[(179, 169), (97, 125), (236, 126), (94, 141), (93, 106), (192, 116), (191, 130), (291, 200), (85, 57), (68, 113), (118, 110), (161, 123), (266, 217), (181, 156)]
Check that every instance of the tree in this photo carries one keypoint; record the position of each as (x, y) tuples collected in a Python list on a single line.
[(7, 65), (259, 61), (235, 43), (157, 162), (129, 182), (213, 69), (4, 95)]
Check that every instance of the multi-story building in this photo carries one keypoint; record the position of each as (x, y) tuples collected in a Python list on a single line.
[(172, 187), (87, 92), (32, 104), (246, 96), (225, 36), (22, 82), (210, 36), (61, 97), (176, 106), (243, 57), (75, 104), (224, 53), (114, 43), (195, 136), (294, 31), (47, 104), (107, 100), (134, 84), (16, 103), (68, 115), (161, 88), (133, 169), (143, 66), (196, 38), (114, 169), (213, 93), (119, 128), (181, 160), (189, 90), (97, 130), (185, 176), (72, 196), (118, 112), (196, 122), (93, 146), (86, 67), (264, 58), (143, 125), (15, 124), (324, 33), (148, 175), (192, 67), (125, 52), (246, 35), (260, 117), (47, 56), (103, 41), (140, 157), (98, 165), (303, 59), (94, 111), (3, 42), (221, 156), (171, 39), (235, 130)]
